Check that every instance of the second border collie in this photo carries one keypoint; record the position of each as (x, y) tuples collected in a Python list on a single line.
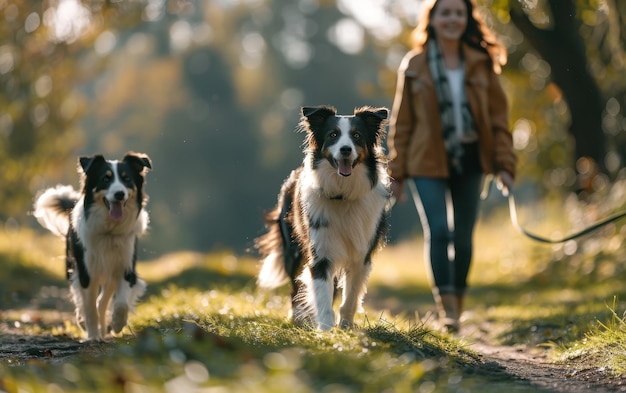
[(101, 224), (330, 217)]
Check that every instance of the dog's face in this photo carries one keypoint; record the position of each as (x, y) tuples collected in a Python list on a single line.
[(345, 141), (113, 183)]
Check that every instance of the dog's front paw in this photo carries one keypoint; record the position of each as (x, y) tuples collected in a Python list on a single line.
[(346, 324), (326, 321), (120, 317), (93, 338)]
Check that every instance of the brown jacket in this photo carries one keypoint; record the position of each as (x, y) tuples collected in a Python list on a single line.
[(415, 140)]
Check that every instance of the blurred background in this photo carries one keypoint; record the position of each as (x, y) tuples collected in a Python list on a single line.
[(211, 90)]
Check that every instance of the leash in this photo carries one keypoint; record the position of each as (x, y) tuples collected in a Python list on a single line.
[(516, 225), (541, 239)]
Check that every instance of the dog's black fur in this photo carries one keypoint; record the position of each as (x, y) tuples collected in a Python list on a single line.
[(330, 217), (101, 224)]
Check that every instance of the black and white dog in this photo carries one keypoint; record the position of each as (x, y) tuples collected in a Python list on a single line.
[(330, 217), (101, 224)]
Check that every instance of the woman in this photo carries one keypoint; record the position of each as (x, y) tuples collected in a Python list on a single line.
[(448, 128)]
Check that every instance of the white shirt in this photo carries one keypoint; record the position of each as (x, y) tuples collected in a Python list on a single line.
[(455, 78)]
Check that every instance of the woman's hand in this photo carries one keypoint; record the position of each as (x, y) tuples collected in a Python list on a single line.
[(504, 182), (397, 190)]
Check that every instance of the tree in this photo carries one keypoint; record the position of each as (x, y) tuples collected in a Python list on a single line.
[(43, 59), (561, 45)]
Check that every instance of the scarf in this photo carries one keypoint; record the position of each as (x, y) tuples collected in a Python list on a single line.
[(452, 141)]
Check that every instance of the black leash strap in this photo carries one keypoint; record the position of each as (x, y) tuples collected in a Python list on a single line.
[(513, 213)]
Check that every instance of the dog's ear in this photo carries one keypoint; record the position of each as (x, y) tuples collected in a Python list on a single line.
[(138, 161), (310, 110), (86, 163), (380, 114), (376, 117), (313, 116)]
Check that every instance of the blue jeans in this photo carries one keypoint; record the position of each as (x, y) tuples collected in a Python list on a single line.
[(448, 209)]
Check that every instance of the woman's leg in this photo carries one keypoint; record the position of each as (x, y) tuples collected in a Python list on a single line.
[(448, 210), (434, 205), (432, 199), (465, 194)]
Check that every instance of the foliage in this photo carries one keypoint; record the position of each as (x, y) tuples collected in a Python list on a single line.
[(45, 57), (211, 91)]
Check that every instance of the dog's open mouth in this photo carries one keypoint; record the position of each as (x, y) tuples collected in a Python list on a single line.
[(344, 167), (116, 209)]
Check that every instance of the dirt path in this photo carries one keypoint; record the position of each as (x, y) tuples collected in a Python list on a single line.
[(531, 363), (17, 348), (48, 308), (527, 363)]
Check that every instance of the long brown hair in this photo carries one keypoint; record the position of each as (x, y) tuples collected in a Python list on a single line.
[(477, 34)]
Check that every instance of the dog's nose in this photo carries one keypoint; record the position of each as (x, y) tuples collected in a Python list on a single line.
[(345, 150), (119, 196)]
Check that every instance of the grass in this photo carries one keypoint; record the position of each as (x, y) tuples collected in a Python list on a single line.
[(203, 326)]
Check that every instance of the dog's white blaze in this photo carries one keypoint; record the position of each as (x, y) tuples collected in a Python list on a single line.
[(344, 140), (116, 186)]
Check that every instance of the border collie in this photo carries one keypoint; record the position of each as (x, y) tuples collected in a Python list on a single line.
[(101, 224), (330, 217)]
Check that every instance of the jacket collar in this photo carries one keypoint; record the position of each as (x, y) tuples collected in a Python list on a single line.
[(473, 57), (418, 60)]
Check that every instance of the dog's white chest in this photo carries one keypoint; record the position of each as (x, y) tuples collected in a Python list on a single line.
[(343, 230), (109, 248)]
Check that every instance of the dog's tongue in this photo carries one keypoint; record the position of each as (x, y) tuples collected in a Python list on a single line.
[(116, 211), (345, 167)]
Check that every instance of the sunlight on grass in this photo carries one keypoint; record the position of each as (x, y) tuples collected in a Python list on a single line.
[(400, 265), (530, 293), (604, 343), (174, 264), (253, 326), (33, 250), (204, 326)]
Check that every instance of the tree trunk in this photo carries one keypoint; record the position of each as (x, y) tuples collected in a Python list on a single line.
[(563, 48)]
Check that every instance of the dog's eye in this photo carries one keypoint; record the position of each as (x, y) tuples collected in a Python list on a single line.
[(106, 179), (125, 178), (356, 135), (333, 134)]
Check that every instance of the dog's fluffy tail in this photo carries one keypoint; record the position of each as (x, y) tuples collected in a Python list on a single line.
[(270, 245), (277, 268), (53, 208), (137, 291)]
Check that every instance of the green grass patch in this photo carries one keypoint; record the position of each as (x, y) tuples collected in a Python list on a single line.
[(603, 345), (203, 325)]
